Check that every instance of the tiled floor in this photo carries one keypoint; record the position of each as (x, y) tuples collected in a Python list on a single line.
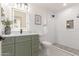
[(73, 50), (53, 51)]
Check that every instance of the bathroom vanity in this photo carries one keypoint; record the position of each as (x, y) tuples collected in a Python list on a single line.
[(20, 45), (15, 44)]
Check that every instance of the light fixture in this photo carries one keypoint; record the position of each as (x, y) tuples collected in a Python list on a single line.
[(64, 4), (21, 5)]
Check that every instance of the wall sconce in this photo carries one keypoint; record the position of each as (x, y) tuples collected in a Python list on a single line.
[(53, 16)]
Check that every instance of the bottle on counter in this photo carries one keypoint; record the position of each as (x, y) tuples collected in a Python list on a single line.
[(21, 31)]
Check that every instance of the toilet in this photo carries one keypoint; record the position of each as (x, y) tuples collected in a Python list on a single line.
[(45, 44)]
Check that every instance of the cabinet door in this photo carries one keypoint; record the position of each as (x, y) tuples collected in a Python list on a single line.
[(8, 50), (35, 45), (23, 48), (35, 51)]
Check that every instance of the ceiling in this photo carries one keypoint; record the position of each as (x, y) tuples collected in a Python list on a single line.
[(55, 7)]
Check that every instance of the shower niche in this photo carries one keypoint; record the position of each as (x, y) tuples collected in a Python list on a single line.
[(70, 24)]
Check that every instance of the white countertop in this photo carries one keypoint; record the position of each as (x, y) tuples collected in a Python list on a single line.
[(18, 34), (23, 34)]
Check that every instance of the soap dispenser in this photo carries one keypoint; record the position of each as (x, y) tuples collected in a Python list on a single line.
[(20, 31)]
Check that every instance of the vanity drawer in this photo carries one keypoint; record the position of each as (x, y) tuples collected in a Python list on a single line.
[(22, 38), (35, 36), (8, 40), (35, 40)]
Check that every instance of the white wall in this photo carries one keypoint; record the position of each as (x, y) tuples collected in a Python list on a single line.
[(51, 30), (68, 37), (47, 29), (32, 26), (56, 28), (36, 11)]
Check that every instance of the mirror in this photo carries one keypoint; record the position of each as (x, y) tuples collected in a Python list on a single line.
[(17, 13), (19, 20)]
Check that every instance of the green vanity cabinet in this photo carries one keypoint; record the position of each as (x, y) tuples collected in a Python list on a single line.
[(8, 46), (23, 46), (22, 38), (8, 50), (8, 40), (35, 45), (23, 49), (27, 45)]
